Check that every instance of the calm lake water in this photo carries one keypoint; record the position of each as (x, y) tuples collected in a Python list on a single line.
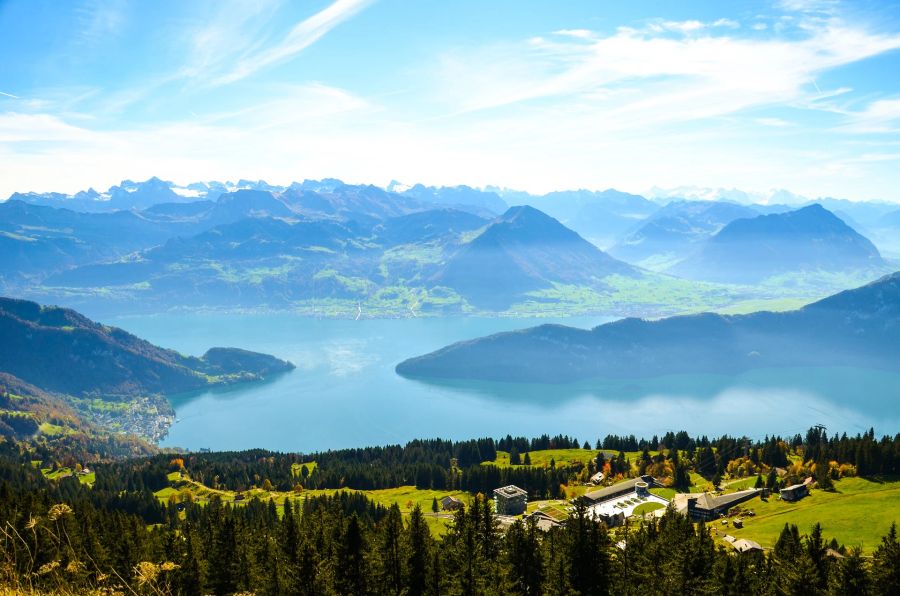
[(344, 392)]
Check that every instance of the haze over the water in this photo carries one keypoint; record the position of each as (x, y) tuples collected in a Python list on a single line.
[(537, 97)]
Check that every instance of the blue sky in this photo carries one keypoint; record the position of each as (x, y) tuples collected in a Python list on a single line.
[(802, 95)]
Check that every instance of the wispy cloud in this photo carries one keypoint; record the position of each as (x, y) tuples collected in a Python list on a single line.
[(654, 76), (18, 127), (9, 95), (303, 35), (773, 122), (714, 102), (881, 116), (99, 20)]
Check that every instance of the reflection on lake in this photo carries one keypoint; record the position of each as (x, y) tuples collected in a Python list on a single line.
[(344, 392)]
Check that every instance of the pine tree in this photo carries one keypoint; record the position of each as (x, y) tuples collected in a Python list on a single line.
[(816, 549), (189, 578), (886, 564), (391, 558), (588, 550), (849, 576), (524, 558), (419, 545), (351, 572)]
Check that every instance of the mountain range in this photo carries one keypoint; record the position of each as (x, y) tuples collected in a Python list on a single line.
[(859, 327), (750, 250), (275, 260), (675, 231), (322, 246)]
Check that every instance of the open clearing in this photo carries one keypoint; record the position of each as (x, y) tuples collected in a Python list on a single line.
[(857, 513)]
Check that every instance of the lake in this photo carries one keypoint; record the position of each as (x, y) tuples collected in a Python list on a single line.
[(344, 392)]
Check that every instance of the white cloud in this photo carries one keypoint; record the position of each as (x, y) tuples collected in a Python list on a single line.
[(729, 23), (880, 116), (682, 106), (773, 122), (576, 33), (303, 35), (18, 127), (655, 77)]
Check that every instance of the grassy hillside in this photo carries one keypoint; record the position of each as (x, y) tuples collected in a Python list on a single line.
[(182, 488), (857, 513)]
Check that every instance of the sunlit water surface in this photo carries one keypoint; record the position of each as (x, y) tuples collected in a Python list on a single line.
[(345, 393)]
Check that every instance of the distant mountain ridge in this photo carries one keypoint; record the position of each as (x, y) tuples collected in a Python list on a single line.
[(489, 263), (859, 327), (521, 251), (401, 249), (673, 232), (752, 249), (601, 217)]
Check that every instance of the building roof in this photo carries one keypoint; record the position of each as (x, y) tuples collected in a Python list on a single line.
[(712, 502), (510, 492), (626, 485), (543, 521), (450, 499), (796, 486), (742, 545)]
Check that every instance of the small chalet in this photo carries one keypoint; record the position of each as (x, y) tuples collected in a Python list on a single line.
[(510, 500), (796, 491), (449, 503), (742, 545)]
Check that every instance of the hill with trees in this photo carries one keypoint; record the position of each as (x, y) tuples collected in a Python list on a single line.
[(853, 328)]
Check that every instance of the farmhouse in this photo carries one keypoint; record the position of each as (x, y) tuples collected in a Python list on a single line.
[(449, 503), (742, 545), (796, 491), (708, 506), (510, 500)]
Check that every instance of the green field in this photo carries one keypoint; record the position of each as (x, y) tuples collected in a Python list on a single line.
[(60, 473), (406, 497), (562, 457), (857, 513), (296, 468), (647, 508)]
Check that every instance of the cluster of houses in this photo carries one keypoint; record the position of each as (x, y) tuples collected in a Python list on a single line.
[(614, 504)]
